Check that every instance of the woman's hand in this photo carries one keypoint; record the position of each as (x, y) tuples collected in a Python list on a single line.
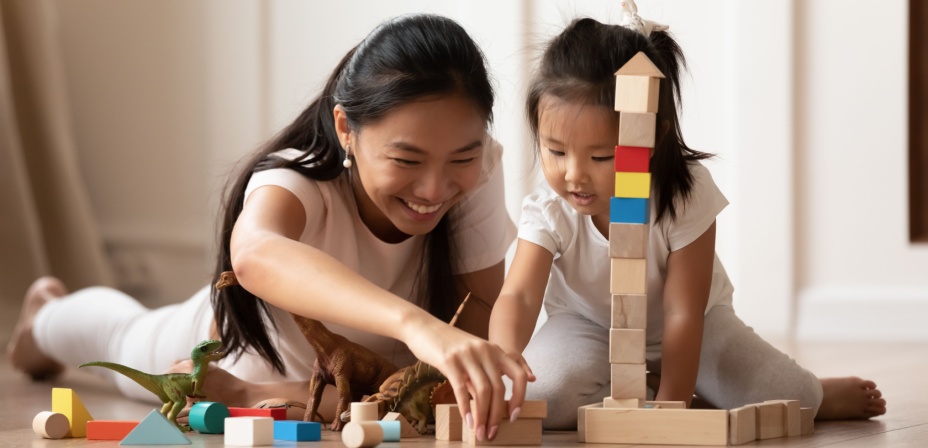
[(474, 368)]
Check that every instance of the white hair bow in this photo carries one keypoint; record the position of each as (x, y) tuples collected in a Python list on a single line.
[(631, 19)]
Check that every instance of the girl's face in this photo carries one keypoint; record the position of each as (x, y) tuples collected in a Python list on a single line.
[(415, 163), (577, 144)]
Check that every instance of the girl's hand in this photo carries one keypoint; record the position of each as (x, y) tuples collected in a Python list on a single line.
[(474, 368)]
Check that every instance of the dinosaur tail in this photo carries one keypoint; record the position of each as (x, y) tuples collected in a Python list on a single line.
[(146, 380)]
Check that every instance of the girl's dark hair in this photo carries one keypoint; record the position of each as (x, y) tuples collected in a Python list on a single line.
[(402, 60), (580, 64)]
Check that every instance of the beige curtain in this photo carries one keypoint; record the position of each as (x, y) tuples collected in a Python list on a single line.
[(47, 224)]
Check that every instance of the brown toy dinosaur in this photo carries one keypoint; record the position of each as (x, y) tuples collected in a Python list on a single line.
[(354, 370)]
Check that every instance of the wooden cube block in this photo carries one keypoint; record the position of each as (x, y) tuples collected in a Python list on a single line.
[(628, 240), (632, 185), (636, 93), (667, 404), (632, 159), (656, 426), (524, 431), (628, 381), (448, 423), (365, 412), (51, 425), (630, 311), (406, 430), (742, 424), (581, 420), (626, 346), (771, 420), (362, 434), (249, 431), (629, 276), (65, 401), (637, 129), (629, 210), (793, 419), (109, 429), (807, 421), (633, 403)]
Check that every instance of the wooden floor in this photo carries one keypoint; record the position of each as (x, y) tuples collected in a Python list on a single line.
[(898, 369)]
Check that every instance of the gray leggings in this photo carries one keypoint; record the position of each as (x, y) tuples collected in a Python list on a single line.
[(570, 358)]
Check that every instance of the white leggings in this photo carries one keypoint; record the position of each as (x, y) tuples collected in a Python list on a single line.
[(570, 358), (103, 324)]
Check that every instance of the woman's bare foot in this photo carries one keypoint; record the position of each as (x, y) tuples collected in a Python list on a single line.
[(22, 351), (850, 398)]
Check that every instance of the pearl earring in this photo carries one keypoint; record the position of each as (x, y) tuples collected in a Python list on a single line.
[(347, 162)]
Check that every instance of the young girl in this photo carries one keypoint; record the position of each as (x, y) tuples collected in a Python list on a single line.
[(695, 342), (375, 212)]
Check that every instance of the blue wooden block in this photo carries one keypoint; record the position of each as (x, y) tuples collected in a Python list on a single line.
[(391, 430), (629, 210), (297, 431), (155, 429), (207, 417)]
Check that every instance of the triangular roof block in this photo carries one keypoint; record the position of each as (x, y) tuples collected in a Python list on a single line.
[(640, 65), (65, 401), (155, 429)]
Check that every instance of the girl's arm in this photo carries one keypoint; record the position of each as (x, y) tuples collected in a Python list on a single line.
[(516, 310), (271, 263), (686, 292)]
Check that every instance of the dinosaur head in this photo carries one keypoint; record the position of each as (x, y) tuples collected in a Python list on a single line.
[(207, 351)]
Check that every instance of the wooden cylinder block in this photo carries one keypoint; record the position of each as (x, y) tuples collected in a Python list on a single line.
[(51, 425), (364, 412), (362, 434)]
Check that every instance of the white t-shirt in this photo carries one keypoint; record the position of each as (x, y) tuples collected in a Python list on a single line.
[(579, 281), (482, 231)]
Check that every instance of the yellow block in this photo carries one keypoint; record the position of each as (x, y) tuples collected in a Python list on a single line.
[(65, 401), (632, 185)]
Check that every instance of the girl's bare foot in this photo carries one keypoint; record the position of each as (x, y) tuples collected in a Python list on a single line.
[(850, 398), (22, 351)]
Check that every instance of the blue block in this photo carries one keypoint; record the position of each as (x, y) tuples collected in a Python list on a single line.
[(155, 429), (207, 417), (297, 431), (629, 210), (391, 430)]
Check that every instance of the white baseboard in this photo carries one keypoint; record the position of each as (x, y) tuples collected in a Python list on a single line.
[(871, 314)]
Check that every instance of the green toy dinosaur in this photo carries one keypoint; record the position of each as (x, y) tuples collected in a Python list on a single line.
[(173, 388)]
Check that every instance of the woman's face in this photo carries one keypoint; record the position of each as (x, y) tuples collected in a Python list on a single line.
[(415, 163)]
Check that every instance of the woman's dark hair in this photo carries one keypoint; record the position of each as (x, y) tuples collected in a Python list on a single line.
[(402, 60), (580, 64)]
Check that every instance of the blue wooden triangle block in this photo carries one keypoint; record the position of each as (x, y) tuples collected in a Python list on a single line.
[(155, 429)]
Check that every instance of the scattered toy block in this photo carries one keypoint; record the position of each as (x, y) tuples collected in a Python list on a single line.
[(632, 159), (155, 429), (628, 240), (656, 426), (629, 210), (391, 430), (632, 185), (792, 420), (628, 381), (629, 276), (529, 409), (297, 431), (249, 431), (207, 417), (581, 420), (635, 93), (667, 404), (806, 421), (637, 129), (771, 420), (364, 412), (742, 424), (406, 430), (274, 413), (640, 65), (51, 425), (362, 434), (633, 403), (626, 346), (630, 311), (65, 401), (109, 429), (523, 431), (448, 423)]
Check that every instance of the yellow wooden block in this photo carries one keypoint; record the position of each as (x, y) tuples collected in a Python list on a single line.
[(807, 421), (65, 401), (742, 425), (656, 426), (626, 346), (636, 93), (628, 381), (633, 403), (632, 185), (630, 311), (637, 129), (629, 276), (628, 240), (581, 420)]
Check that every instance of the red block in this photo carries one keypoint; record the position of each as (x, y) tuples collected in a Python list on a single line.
[(632, 159), (109, 429), (275, 413)]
